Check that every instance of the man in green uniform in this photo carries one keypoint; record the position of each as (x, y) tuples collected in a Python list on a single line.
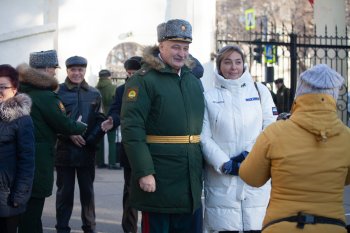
[(161, 119), (107, 90), (49, 118)]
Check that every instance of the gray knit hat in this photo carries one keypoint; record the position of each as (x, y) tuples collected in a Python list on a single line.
[(175, 29), (43, 59), (319, 79)]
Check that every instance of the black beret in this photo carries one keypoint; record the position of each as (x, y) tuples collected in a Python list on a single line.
[(133, 63), (104, 74), (279, 80), (76, 61)]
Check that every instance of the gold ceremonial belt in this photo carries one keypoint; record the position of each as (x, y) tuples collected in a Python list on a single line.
[(173, 139)]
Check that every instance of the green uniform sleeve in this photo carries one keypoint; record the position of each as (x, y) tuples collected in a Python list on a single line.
[(135, 109), (55, 116)]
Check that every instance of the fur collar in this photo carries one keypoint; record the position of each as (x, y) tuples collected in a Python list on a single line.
[(15, 107), (71, 85), (36, 78), (150, 57)]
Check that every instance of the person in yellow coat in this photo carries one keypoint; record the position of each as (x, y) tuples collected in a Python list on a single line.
[(307, 158)]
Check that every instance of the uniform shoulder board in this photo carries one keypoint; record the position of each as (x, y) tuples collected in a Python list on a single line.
[(61, 107)]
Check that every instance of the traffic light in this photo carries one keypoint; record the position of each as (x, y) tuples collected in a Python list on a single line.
[(258, 51)]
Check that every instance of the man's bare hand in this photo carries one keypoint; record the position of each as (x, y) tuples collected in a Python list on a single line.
[(78, 140), (148, 183), (107, 124)]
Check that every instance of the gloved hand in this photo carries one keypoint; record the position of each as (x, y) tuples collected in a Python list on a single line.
[(232, 166), (239, 158), (283, 116)]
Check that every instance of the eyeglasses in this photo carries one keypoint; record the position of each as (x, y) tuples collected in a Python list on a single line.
[(3, 88)]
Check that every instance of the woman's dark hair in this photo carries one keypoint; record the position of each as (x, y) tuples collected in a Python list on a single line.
[(10, 72), (225, 51)]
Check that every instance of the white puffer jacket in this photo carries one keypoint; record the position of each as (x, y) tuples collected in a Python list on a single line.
[(234, 117)]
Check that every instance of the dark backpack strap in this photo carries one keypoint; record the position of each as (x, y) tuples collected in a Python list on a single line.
[(256, 86), (301, 219)]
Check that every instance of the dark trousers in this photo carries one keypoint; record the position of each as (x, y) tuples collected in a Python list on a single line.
[(238, 231), (197, 221), (129, 220), (30, 221), (9, 224), (65, 197), (166, 223)]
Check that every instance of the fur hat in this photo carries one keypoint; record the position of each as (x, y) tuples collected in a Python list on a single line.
[(319, 79), (104, 74), (133, 63), (175, 29), (76, 61), (43, 59), (10, 72)]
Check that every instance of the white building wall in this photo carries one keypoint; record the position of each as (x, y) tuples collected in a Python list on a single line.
[(91, 28)]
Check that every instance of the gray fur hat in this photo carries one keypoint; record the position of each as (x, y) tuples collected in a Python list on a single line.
[(319, 79), (175, 29), (43, 59)]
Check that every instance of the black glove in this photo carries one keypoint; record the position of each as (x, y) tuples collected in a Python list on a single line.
[(232, 166), (94, 132), (239, 158), (283, 116)]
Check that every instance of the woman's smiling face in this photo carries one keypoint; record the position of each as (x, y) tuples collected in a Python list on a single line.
[(232, 66)]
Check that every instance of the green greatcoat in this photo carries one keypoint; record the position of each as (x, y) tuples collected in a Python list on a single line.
[(107, 90), (49, 119), (157, 101)]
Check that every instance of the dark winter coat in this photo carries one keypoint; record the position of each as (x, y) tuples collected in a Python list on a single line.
[(16, 154), (282, 99), (114, 111), (78, 100), (49, 119), (157, 101)]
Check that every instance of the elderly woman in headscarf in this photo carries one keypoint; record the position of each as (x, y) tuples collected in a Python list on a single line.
[(307, 158)]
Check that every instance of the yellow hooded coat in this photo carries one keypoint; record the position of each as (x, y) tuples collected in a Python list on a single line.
[(307, 158)]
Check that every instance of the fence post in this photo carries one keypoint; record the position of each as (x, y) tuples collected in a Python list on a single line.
[(293, 66)]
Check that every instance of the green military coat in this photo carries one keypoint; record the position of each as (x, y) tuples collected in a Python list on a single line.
[(157, 101), (49, 118), (107, 90)]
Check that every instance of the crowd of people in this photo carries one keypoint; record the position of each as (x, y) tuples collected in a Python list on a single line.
[(259, 172)]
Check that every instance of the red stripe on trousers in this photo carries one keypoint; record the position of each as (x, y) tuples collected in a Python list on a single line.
[(145, 222)]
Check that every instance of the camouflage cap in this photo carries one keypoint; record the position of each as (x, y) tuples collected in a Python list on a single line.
[(43, 59), (175, 29)]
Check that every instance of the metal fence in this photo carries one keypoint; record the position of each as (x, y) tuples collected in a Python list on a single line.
[(283, 54)]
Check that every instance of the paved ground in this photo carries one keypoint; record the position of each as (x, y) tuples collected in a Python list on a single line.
[(108, 199), (108, 202)]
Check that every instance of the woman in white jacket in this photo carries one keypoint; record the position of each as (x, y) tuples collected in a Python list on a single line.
[(237, 110)]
